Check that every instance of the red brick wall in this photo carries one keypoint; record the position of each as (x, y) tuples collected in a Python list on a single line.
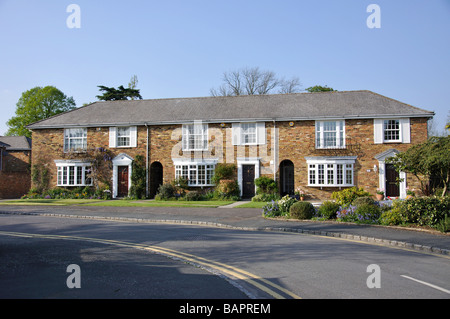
[(294, 143), (15, 178)]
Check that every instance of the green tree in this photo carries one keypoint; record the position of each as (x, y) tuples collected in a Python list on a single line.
[(38, 104), (319, 88), (121, 93), (431, 158)]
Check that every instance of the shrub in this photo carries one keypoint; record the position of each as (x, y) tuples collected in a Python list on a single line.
[(444, 225), (367, 214), (228, 189), (138, 178), (223, 171), (266, 185), (271, 209), (346, 214), (57, 193), (347, 196), (265, 197), (166, 191), (391, 217), (425, 211), (193, 196), (302, 210), (328, 209), (363, 200), (285, 204)]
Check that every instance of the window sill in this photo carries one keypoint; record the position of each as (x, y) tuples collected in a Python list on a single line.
[(76, 152), (334, 186), (195, 150), (331, 148), (80, 185)]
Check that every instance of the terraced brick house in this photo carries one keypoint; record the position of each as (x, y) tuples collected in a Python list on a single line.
[(322, 142)]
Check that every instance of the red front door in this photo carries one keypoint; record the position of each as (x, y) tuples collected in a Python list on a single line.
[(122, 182)]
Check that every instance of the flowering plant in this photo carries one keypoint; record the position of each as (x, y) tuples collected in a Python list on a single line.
[(285, 204), (271, 209), (299, 191), (380, 191)]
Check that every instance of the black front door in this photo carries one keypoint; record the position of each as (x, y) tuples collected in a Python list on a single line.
[(287, 177), (156, 178), (392, 188), (248, 181)]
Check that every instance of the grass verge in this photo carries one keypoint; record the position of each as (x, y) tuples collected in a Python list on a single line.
[(114, 203)]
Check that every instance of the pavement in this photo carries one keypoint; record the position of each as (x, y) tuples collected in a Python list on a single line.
[(250, 219)]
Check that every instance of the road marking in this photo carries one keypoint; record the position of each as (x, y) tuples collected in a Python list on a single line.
[(427, 284), (230, 271), (380, 244)]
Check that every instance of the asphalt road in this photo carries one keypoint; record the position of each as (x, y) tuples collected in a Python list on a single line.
[(130, 260)]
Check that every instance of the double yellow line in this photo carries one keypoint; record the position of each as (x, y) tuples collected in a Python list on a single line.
[(231, 272)]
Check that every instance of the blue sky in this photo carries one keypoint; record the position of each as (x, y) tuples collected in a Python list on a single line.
[(182, 48)]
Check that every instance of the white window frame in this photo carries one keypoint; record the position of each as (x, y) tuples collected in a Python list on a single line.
[(331, 171), (114, 136), (68, 140), (198, 174), (240, 131), (123, 136), (249, 130), (321, 132), (80, 171), (196, 133), (404, 130), (387, 127)]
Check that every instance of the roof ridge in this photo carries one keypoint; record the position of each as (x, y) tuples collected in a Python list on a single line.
[(231, 96)]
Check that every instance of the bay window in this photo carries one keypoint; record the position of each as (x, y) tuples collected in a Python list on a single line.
[(331, 171), (73, 173), (197, 174)]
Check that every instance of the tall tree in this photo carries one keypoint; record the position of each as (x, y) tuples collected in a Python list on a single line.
[(319, 88), (133, 84), (38, 104), (121, 93), (252, 81)]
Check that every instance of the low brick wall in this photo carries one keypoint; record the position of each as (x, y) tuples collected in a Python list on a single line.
[(14, 184)]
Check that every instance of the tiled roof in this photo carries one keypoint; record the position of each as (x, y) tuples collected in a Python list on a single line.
[(296, 106), (15, 143)]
